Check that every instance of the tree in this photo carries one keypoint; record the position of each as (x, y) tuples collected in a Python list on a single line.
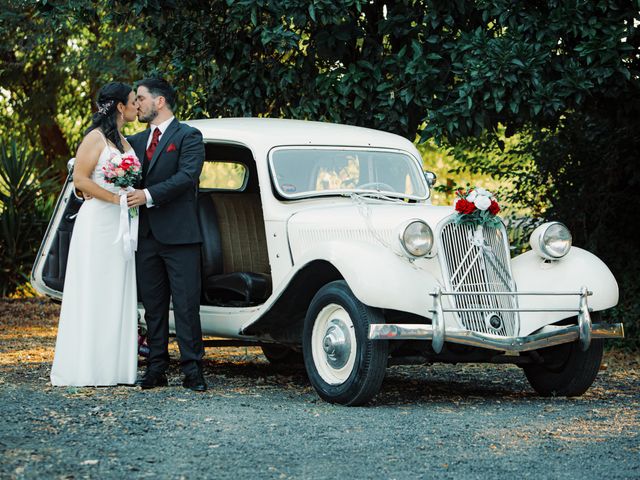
[(351, 61), (53, 58), (565, 77)]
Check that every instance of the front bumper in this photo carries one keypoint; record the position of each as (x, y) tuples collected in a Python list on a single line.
[(545, 337)]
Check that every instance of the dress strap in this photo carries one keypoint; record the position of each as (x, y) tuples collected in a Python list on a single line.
[(103, 137)]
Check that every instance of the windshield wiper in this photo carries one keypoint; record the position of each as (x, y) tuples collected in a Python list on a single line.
[(397, 198)]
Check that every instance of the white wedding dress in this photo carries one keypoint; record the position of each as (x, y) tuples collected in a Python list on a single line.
[(97, 334)]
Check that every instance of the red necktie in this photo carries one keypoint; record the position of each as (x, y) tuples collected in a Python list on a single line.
[(154, 143)]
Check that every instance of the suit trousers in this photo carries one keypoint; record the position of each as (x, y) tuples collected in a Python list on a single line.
[(170, 273)]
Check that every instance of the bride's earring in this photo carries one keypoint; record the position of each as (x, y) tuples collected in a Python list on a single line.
[(122, 116)]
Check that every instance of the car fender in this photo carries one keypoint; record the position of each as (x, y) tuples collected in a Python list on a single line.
[(578, 268), (380, 277)]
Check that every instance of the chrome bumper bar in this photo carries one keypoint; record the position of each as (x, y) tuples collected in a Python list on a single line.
[(547, 337)]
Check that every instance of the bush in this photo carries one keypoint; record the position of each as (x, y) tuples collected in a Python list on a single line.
[(27, 200)]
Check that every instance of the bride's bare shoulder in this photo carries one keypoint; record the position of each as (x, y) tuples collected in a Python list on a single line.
[(94, 137), (92, 142)]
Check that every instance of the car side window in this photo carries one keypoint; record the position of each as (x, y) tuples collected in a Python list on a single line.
[(220, 175)]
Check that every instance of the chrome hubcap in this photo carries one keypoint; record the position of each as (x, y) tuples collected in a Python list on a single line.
[(333, 344), (336, 344)]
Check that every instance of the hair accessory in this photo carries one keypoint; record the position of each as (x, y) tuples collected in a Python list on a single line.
[(104, 108)]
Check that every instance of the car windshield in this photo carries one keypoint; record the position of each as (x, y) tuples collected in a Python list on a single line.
[(303, 172)]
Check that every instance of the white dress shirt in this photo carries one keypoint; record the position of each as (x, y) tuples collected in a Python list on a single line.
[(162, 127)]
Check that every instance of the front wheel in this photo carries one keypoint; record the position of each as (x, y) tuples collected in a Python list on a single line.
[(567, 370), (343, 365)]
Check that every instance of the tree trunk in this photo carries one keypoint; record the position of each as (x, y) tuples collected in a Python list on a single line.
[(56, 150)]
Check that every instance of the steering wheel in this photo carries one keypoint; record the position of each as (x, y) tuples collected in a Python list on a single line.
[(377, 186)]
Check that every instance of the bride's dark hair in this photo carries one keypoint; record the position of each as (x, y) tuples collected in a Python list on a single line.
[(105, 118)]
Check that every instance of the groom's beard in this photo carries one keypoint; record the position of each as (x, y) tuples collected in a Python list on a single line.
[(149, 116)]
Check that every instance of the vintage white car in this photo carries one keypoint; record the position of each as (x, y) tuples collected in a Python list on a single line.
[(321, 240)]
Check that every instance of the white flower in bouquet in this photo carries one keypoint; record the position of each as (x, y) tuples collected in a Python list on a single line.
[(481, 191), (472, 196), (482, 202)]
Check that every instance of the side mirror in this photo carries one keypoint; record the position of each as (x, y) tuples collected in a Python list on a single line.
[(430, 177)]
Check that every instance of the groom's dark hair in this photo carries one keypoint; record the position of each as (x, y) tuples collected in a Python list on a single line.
[(160, 87)]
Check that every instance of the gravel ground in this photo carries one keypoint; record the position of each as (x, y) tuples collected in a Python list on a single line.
[(260, 421)]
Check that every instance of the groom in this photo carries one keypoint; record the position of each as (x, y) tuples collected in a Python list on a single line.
[(168, 256)]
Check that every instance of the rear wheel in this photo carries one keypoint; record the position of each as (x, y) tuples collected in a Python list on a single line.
[(567, 370), (343, 365)]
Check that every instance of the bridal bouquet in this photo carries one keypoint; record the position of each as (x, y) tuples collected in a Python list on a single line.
[(476, 206), (122, 171)]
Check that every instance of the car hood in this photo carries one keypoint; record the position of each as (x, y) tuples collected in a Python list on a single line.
[(368, 221)]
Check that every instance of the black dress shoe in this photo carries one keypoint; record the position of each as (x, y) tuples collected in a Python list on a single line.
[(153, 380), (195, 382)]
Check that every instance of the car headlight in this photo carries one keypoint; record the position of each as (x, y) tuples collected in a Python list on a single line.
[(416, 238), (551, 240)]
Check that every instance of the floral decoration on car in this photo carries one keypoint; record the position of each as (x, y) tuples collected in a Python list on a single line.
[(476, 206)]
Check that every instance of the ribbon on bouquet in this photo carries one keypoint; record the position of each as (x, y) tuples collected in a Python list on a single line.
[(128, 230)]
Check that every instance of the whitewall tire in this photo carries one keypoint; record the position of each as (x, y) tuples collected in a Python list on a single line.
[(343, 365)]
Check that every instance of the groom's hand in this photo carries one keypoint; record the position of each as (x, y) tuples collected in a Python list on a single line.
[(136, 198)]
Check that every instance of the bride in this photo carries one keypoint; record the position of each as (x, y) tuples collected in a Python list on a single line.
[(97, 333)]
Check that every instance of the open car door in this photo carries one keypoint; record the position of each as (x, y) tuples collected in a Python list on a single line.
[(49, 268)]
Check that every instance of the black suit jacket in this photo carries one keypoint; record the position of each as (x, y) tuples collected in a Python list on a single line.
[(172, 179)]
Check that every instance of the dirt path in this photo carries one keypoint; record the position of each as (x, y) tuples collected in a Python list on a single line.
[(258, 421)]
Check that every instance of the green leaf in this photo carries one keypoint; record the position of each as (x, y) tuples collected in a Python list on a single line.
[(626, 73)]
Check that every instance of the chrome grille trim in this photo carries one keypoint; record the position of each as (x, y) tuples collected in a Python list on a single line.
[(476, 267)]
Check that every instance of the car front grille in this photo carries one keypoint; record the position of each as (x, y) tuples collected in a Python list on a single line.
[(476, 259)]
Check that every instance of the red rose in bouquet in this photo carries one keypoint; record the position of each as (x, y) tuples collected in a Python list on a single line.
[(464, 206), (494, 208)]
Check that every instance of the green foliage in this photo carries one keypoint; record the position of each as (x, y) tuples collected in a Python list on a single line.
[(54, 56), (533, 62), (26, 204), (350, 61), (591, 168)]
